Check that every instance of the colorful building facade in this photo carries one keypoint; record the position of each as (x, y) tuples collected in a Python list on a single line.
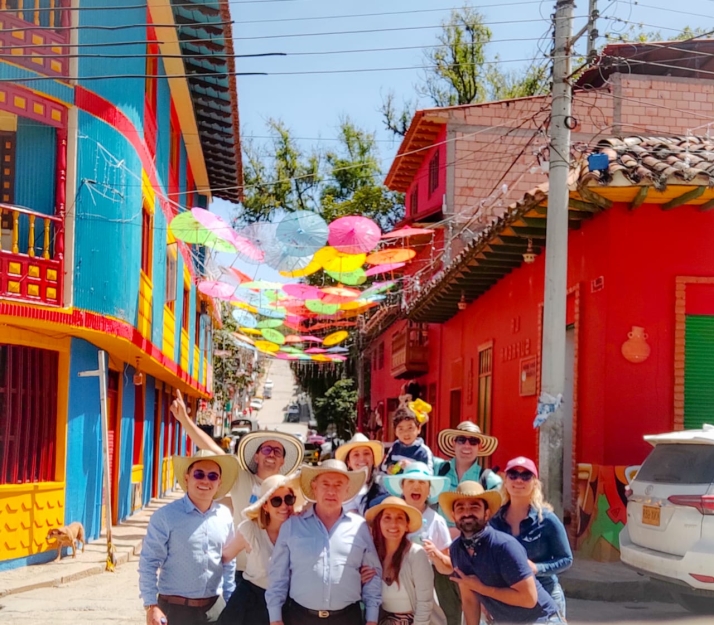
[(106, 134), (640, 289)]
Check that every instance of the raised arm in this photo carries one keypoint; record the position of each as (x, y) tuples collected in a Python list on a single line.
[(234, 546), (197, 435)]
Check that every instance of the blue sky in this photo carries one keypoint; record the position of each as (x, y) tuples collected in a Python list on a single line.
[(311, 104)]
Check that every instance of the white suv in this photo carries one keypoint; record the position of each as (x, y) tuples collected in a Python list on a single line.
[(669, 534)]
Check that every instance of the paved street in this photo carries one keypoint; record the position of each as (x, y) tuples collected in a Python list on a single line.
[(272, 413), (112, 599)]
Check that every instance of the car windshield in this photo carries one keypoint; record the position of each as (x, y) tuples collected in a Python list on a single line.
[(679, 464)]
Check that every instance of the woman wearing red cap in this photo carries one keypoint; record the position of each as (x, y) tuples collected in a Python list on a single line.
[(527, 517)]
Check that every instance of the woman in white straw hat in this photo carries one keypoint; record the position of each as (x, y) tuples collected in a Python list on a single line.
[(256, 535), (361, 453), (407, 576)]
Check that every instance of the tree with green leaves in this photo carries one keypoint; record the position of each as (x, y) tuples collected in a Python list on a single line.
[(230, 374), (281, 176), (338, 407)]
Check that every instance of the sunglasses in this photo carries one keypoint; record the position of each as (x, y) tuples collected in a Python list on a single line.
[(525, 476), (212, 476), (266, 450), (471, 440), (276, 502)]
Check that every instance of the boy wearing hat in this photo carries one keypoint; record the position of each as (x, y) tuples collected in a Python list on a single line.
[(182, 578), (491, 567), (409, 446)]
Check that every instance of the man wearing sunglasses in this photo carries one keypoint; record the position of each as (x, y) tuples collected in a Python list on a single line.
[(182, 577)]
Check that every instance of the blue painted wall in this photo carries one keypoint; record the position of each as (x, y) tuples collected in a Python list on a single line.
[(35, 160), (84, 452), (126, 448), (149, 434)]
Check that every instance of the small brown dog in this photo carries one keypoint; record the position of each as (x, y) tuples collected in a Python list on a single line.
[(67, 536)]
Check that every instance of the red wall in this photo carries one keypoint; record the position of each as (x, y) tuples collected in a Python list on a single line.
[(429, 203), (638, 254)]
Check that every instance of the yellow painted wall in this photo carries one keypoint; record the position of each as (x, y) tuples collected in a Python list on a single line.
[(145, 301), (184, 350), (169, 333)]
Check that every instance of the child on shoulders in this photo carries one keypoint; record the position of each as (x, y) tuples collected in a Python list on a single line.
[(409, 446)]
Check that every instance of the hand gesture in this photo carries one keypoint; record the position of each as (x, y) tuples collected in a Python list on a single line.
[(430, 548), (471, 582), (366, 573), (154, 616), (178, 407)]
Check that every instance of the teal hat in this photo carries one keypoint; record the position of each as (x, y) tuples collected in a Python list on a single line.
[(416, 471)]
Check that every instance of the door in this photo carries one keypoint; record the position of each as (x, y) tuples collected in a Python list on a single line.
[(698, 368), (113, 436), (568, 416), (455, 407), (157, 445)]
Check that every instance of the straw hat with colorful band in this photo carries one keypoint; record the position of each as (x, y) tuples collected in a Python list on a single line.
[(360, 440), (268, 488), (413, 515), (249, 444), (487, 444), (416, 471), (308, 474), (229, 469), (471, 491)]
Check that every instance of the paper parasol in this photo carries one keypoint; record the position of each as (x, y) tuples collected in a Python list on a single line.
[(378, 287), (320, 358), (213, 223), (280, 260), (247, 250), (185, 228), (269, 323), (313, 267), (291, 350), (302, 233), (318, 306), (273, 313), (335, 338), (262, 234), (339, 295), (261, 285), (311, 339), (377, 269), (252, 331), (315, 350), (244, 318), (388, 257), (267, 346), (337, 350), (235, 274), (284, 356), (404, 233), (244, 306), (354, 235), (243, 338), (353, 278), (213, 288), (337, 358), (273, 335), (331, 259), (302, 291), (293, 338), (354, 304)]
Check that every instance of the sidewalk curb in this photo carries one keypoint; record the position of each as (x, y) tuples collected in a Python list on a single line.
[(55, 573)]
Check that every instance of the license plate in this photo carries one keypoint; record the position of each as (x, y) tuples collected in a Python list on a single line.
[(650, 515)]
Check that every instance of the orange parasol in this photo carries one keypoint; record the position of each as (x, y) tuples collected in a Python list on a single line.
[(335, 338), (397, 255)]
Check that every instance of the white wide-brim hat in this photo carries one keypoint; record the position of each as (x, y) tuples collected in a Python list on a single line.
[(416, 471), (268, 488), (228, 464), (308, 474), (466, 428), (249, 444), (360, 440)]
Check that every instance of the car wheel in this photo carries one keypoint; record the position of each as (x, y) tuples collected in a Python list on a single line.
[(694, 603)]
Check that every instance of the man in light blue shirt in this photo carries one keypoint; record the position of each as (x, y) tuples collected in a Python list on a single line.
[(184, 544), (315, 568)]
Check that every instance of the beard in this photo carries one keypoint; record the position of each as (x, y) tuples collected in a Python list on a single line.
[(470, 525)]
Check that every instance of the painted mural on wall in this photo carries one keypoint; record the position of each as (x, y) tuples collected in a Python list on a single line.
[(602, 510)]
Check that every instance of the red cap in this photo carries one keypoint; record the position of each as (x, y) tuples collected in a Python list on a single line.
[(522, 463)]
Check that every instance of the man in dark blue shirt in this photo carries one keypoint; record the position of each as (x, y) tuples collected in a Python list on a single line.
[(491, 567)]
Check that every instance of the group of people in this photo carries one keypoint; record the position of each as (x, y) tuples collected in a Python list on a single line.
[(375, 538)]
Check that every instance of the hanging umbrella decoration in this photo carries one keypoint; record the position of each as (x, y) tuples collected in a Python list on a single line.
[(300, 244)]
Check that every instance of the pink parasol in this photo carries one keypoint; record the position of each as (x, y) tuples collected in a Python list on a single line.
[(212, 222), (406, 232), (293, 338), (354, 235), (315, 350), (247, 250), (284, 356), (213, 288), (236, 274), (302, 291), (311, 339), (377, 269)]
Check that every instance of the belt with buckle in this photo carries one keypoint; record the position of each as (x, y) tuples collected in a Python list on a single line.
[(323, 613), (186, 601)]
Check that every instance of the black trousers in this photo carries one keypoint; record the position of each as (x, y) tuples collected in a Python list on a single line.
[(295, 614), (184, 615), (246, 606)]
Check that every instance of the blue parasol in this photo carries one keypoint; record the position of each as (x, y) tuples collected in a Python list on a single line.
[(302, 233)]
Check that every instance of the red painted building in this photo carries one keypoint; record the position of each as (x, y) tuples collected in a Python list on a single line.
[(640, 270)]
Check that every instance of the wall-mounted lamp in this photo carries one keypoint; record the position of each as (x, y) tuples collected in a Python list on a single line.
[(529, 255), (462, 305), (138, 376), (635, 348)]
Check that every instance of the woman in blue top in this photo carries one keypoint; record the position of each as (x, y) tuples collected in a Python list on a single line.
[(526, 516)]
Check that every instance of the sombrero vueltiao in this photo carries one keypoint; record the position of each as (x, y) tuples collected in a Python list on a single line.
[(249, 444), (228, 464), (308, 474), (414, 517), (360, 440), (468, 490), (466, 428)]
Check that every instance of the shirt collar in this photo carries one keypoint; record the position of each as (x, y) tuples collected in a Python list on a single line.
[(189, 506), (310, 512)]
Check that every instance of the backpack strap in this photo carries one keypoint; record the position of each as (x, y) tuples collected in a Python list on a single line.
[(444, 469)]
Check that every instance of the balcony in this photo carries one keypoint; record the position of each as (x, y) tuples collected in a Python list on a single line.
[(31, 263), (410, 352), (35, 33)]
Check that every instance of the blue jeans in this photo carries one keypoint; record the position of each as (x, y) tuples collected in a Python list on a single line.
[(559, 597)]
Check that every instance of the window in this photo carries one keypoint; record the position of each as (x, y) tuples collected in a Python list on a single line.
[(201, 309), (7, 173), (186, 307), (147, 233), (28, 414), (171, 271), (683, 463), (485, 382), (434, 173), (414, 200)]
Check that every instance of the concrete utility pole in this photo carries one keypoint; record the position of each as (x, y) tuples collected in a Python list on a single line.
[(556, 258)]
